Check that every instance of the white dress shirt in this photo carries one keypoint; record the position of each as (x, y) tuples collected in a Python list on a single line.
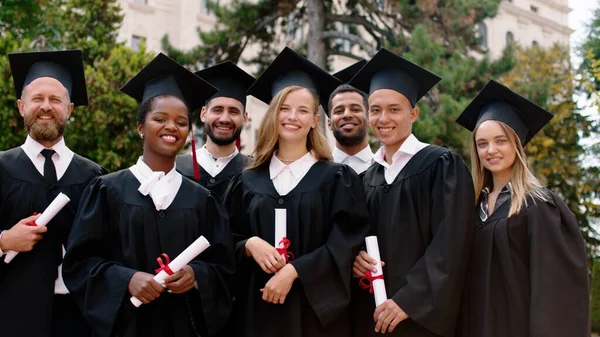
[(359, 162), (212, 165), (286, 177), (407, 150), (161, 187), (61, 159)]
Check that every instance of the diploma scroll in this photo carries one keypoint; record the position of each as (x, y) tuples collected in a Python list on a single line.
[(280, 228), (49, 213), (179, 262), (282, 243), (376, 279)]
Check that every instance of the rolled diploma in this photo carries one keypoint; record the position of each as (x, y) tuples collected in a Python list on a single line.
[(280, 227), (379, 284), (179, 262), (55, 206)]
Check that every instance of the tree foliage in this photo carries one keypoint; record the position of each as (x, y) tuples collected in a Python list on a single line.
[(104, 130), (545, 77), (590, 49)]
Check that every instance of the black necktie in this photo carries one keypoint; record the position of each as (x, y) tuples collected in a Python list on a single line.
[(49, 169)]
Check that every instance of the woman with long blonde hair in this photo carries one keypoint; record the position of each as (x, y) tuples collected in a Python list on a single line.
[(528, 272), (297, 218)]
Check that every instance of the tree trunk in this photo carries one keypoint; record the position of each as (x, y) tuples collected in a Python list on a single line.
[(316, 50), (317, 53)]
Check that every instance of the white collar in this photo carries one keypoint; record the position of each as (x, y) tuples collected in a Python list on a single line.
[(161, 187), (298, 167), (32, 148), (411, 146), (364, 155)]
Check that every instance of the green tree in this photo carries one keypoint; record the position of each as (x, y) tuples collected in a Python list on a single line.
[(545, 77), (104, 131), (590, 49), (595, 300)]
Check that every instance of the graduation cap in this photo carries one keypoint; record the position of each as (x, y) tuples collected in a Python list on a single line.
[(164, 76), (66, 66), (499, 103), (290, 68), (346, 74), (387, 70), (230, 79)]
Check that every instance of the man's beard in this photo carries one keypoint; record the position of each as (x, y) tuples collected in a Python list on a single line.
[(222, 141), (351, 140), (44, 131)]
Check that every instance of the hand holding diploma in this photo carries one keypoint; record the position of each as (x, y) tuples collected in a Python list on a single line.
[(265, 255), (22, 237), (172, 267), (49, 213)]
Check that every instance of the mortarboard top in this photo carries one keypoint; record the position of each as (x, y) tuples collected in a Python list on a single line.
[(164, 76), (499, 103), (230, 79), (66, 66), (290, 68), (387, 70), (346, 74)]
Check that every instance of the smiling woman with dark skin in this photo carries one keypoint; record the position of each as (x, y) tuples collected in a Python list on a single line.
[(129, 218)]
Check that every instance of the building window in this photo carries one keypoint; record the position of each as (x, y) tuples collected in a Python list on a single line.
[(534, 43), (481, 34), (534, 8), (136, 42), (510, 38)]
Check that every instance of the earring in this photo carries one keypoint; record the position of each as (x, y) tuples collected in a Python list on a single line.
[(141, 135)]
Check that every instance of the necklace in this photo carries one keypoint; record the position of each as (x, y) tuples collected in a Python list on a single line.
[(285, 161)]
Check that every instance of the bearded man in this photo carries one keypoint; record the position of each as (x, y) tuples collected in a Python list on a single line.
[(224, 115), (35, 299)]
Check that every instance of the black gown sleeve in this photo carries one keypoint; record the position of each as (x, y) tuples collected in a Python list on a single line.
[(214, 268), (233, 201), (433, 289), (98, 284), (325, 273), (559, 289)]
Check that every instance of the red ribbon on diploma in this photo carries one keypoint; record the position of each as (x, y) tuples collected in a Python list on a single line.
[(162, 265), (285, 242), (366, 282), (32, 223)]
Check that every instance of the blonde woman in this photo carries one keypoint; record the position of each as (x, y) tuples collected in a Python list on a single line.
[(299, 283), (527, 273)]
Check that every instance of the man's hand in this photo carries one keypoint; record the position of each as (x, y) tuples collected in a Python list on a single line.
[(22, 237)]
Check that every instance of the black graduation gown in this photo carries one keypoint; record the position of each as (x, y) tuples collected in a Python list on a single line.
[(527, 275), (217, 184), (424, 222), (27, 283), (326, 222), (118, 232)]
